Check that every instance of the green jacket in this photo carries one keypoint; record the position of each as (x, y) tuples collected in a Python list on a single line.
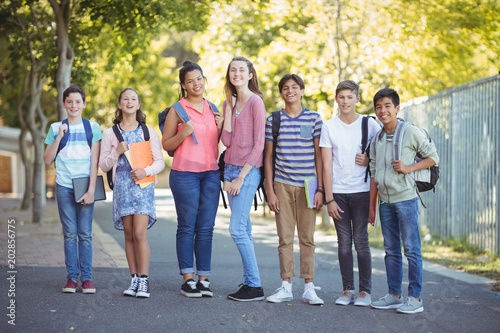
[(395, 186)]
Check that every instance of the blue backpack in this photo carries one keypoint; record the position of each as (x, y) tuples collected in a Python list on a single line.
[(88, 133), (162, 116)]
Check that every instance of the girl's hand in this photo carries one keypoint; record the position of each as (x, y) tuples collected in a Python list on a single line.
[(122, 147), (236, 185), (137, 174), (219, 120), (187, 128)]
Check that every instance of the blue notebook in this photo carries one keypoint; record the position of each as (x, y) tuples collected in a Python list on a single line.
[(311, 185)]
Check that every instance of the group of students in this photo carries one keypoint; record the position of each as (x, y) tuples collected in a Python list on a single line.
[(304, 148)]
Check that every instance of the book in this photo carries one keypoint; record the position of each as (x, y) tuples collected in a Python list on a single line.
[(141, 157), (311, 185), (81, 186)]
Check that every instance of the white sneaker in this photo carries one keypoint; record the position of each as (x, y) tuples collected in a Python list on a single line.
[(362, 299), (310, 296), (282, 294), (346, 298)]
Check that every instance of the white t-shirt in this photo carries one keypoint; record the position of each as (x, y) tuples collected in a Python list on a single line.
[(345, 141)]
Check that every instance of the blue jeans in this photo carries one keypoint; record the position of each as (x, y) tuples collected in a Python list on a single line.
[(240, 226), (196, 196), (353, 227), (400, 222), (76, 220)]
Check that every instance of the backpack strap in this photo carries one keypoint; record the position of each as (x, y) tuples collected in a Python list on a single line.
[(88, 133), (364, 133), (145, 131), (398, 139), (213, 107), (276, 123), (117, 132), (183, 115)]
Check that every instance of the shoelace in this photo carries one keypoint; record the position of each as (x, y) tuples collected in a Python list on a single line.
[(143, 284), (407, 300), (134, 284), (205, 283), (346, 292), (192, 284), (361, 294)]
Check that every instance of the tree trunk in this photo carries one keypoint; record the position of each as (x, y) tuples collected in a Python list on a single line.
[(28, 169), (38, 134), (62, 13)]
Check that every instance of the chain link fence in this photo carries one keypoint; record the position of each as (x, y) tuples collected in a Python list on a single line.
[(464, 122)]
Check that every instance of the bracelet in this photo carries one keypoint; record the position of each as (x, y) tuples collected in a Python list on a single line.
[(326, 203), (320, 191)]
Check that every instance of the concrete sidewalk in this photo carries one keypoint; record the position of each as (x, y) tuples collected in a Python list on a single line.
[(41, 244)]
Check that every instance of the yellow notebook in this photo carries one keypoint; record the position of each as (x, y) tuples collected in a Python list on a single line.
[(141, 157)]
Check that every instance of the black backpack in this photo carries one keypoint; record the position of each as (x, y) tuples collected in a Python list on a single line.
[(276, 122), (88, 134), (109, 174), (365, 147)]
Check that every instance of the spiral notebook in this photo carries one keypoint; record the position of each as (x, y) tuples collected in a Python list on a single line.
[(81, 186)]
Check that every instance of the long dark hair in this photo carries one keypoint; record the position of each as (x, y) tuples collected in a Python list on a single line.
[(253, 84), (187, 67), (139, 115)]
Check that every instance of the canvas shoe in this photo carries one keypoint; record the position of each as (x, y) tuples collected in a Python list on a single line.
[(204, 287), (134, 284), (247, 294), (310, 296), (189, 289), (411, 305), (346, 298), (389, 301), (70, 287), (143, 287), (362, 299), (87, 287), (282, 294)]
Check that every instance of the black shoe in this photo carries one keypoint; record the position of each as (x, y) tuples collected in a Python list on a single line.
[(204, 287), (247, 294), (143, 287), (188, 289)]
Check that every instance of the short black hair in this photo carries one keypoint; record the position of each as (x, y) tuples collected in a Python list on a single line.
[(294, 77), (73, 89), (386, 92)]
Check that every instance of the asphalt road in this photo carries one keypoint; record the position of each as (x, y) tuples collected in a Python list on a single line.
[(451, 305)]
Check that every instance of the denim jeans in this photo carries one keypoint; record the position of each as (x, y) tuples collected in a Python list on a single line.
[(240, 226), (353, 227), (196, 196), (400, 222), (76, 220)]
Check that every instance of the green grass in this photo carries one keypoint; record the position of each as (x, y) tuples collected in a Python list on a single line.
[(453, 253)]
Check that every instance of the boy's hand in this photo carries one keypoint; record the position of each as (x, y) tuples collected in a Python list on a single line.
[(318, 200), (219, 120), (371, 217), (137, 174), (334, 210), (62, 129), (273, 202), (362, 159), (122, 147), (87, 199), (400, 166)]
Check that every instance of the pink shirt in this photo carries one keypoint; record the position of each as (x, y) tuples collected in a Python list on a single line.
[(200, 157), (109, 157), (245, 143)]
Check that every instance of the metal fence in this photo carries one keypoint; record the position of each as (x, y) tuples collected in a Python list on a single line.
[(464, 122)]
